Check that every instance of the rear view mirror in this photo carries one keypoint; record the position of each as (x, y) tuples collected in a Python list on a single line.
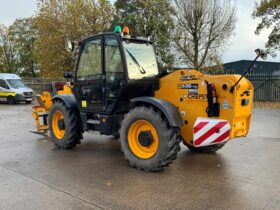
[(68, 75), (261, 53)]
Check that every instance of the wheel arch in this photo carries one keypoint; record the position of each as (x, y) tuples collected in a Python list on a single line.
[(68, 99), (171, 112)]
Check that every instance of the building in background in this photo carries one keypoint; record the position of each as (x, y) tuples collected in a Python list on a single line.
[(238, 67)]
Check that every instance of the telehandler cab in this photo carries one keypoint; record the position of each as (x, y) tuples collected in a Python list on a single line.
[(117, 90)]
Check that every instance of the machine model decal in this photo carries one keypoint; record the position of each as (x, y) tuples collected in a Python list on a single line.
[(210, 131), (187, 86)]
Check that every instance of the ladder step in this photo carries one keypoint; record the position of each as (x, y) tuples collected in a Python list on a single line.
[(95, 122)]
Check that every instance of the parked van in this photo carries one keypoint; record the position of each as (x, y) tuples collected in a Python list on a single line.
[(13, 90)]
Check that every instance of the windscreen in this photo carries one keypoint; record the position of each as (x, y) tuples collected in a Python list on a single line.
[(16, 83), (141, 60)]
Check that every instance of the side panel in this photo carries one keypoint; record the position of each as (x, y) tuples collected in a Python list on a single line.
[(187, 89)]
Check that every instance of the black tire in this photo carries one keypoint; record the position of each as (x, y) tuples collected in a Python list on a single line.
[(206, 149), (73, 130), (11, 100), (168, 140), (28, 102)]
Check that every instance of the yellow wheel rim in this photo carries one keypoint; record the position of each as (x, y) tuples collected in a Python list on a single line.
[(58, 132), (135, 130)]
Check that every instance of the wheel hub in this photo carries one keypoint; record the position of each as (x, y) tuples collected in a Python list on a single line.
[(61, 124), (145, 138)]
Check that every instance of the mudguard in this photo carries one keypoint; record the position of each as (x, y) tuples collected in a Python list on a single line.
[(68, 99), (170, 111)]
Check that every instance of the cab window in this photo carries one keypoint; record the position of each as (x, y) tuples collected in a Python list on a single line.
[(113, 55), (114, 68), (3, 84), (141, 60), (90, 64)]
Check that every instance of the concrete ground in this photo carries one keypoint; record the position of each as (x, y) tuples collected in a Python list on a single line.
[(36, 175)]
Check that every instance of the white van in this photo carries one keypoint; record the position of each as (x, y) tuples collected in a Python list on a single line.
[(13, 90)]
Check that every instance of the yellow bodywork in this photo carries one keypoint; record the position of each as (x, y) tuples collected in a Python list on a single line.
[(193, 103), (6, 94), (67, 89), (45, 103)]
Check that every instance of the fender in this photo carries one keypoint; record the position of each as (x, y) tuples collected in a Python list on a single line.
[(170, 111), (68, 99)]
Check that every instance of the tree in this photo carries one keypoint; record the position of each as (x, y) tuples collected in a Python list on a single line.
[(269, 12), (203, 28), (8, 53), (24, 33), (149, 18), (61, 20)]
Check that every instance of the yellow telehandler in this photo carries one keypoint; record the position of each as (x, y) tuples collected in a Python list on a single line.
[(117, 90)]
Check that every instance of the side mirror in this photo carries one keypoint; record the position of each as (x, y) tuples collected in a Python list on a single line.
[(70, 46), (261, 53), (68, 75)]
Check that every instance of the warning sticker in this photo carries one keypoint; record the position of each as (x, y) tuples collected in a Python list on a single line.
[(84, 104)]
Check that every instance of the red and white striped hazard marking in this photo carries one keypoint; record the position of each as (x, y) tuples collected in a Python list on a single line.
[(210, 131)]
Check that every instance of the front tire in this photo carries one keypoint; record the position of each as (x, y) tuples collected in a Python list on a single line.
[(11, 100), (64, 126), (148, 143)]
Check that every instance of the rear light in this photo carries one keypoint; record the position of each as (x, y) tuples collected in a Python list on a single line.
[(214, 93)]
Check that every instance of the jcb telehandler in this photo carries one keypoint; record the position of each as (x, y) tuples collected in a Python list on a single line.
[(117, 90)]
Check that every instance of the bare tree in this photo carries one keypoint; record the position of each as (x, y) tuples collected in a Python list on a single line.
[(203, 28)]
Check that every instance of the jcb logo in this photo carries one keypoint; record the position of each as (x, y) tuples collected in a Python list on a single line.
[(197, 96)]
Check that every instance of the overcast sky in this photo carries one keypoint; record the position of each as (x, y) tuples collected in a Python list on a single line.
[(242, 45)]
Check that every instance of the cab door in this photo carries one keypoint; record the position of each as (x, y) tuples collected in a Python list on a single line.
[(114, 71), (89, 80)]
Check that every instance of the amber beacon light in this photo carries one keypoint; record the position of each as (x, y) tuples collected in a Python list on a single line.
[(125, 30)]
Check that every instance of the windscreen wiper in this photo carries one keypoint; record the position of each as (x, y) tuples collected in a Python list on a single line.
[(142, 70)]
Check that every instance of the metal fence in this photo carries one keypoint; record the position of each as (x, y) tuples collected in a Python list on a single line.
[(39, 85), (267, 86)]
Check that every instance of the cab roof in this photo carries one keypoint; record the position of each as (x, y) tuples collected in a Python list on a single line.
[(9, 76), (130, 38)]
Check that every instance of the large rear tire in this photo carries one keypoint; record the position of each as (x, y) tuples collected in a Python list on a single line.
[(64, 126), (148, 143)]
